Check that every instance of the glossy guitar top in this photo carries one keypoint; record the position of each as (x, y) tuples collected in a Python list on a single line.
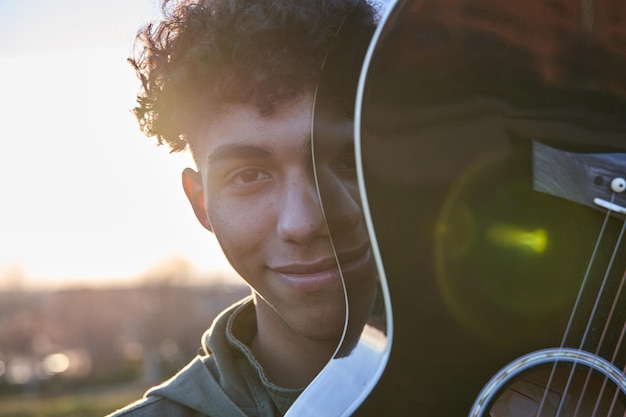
[(491, 142)]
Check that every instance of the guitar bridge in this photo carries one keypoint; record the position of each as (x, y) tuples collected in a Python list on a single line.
[(591, 179)]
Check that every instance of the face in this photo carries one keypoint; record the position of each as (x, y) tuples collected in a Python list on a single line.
[(256, 191)]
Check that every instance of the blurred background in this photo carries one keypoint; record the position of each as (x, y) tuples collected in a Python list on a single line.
[(101, 258)]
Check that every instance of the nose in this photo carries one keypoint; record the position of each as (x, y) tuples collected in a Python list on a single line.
[(300, 217)]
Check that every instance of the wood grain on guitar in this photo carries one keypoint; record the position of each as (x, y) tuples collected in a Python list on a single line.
[(579, 177)]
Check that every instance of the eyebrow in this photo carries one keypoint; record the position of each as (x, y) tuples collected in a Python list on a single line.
[(244, 151), (238, 151)]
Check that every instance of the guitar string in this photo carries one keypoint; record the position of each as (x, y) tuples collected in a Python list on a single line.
[(615, 397), (613, 357), (574, 309), (617, 392), (591, 317), (597, 352), (606, 379)]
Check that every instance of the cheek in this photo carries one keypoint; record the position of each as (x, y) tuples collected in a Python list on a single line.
[(243, 231), (352, 188)]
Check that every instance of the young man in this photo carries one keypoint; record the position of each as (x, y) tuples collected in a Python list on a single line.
[(235, 81)]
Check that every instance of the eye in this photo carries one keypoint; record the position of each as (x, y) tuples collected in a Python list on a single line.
[(346, 163), (247, 177)]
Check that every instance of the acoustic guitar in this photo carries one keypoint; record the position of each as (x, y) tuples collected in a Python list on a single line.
[(490, 147)]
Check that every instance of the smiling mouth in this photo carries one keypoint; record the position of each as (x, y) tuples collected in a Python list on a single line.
[(310, 277)]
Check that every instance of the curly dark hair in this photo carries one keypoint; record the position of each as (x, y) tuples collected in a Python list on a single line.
[(205, 54)]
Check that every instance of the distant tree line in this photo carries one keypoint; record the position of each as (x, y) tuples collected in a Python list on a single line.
[(55, 341)]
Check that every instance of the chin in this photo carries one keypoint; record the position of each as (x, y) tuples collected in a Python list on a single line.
[(324, 325)]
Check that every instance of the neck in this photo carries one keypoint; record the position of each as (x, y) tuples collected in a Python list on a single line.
[(289, 359)]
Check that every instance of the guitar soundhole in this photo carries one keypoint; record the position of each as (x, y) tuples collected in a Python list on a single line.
[(573, 391)]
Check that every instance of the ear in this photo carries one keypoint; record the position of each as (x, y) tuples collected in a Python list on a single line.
[(192, 184)]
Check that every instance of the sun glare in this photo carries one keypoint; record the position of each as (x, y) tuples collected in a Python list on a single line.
[(84, 195)]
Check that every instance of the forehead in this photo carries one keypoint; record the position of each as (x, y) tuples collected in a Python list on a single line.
[(245, 125)]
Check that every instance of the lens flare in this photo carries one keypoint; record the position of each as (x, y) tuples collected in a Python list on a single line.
[(514, 237)]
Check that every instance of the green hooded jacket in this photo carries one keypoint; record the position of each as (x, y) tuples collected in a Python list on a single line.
[(226, 382)]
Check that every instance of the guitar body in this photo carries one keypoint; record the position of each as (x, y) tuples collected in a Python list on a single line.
[(489, 135)]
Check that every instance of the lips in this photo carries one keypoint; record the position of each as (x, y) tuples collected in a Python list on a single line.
[(347, 258), (319, 275)]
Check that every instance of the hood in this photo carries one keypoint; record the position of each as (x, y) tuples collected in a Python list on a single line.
[(228, 381)]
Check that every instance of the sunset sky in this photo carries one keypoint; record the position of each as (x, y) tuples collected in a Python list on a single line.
[(83, 194)]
